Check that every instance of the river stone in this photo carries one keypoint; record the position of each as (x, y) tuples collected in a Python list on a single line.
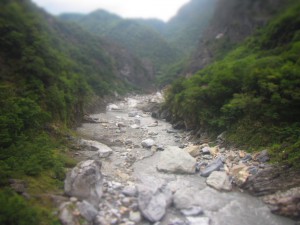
[(282, 178), (193, 150), (89, 119), (111, 107), (135, 216), (206, 150), (85, 181), (87, 210), (130, 191), (285, 203), (194, 211), (198, 220), (263, 156), (67, 215), (240, 174), (148, 143), (102, 149), (219, 180), (133, 114), (175, 160), (135, 126), (153, 203), (216, 165)]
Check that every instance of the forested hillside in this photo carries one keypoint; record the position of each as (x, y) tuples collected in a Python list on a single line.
[(239, 63), (231, 23), (185, 29), (252, 93), (163, 47), (141, 40), (49, 72)]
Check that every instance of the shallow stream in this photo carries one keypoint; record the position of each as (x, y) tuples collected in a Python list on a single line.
[(130, 164)]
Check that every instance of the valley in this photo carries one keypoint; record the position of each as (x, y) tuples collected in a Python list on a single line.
[(118, 99)]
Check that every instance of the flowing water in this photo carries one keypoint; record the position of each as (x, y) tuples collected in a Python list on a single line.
[(132, 164)]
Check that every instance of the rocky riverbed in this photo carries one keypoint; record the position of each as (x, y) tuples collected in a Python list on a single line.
[(135, 169)]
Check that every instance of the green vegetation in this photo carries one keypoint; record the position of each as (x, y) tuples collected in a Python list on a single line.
[(48, 74), (138, 38), (253, 92)]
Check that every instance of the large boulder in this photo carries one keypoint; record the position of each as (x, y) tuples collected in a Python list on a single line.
[(153, 203), (85, 181), (240, 174), (87, 210), (67, 215), (175, 160), (103, 150), (193, 150), (216, 165), (198, 220), (148, 143), (219, 180), (285, 203)]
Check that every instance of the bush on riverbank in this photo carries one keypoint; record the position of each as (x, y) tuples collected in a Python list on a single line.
[(253, 93)]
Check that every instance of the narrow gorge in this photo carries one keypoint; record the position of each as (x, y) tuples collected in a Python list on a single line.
[(111, 120)]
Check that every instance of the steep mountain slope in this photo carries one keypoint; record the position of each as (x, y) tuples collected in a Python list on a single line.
[(185, 29), (253, 92), (232, 22), (143, 41), (49, 72)]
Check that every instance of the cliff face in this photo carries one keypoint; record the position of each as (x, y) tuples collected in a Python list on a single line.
[(130, 68), (233, 21)]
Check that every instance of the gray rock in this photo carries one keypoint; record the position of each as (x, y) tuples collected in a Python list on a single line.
[(126, 202), (221, 138), (183, 199), (285, 203), (216, 165), (128, 142), (133, 114), (263, 156), (247, 158), (194, 211), (19, 186), (135, 126), (103, 150), (88, 119), (130, 191), (66, 214), (85, 181), (253, 170), (219, 180), (112, 107), (206, 150), (148, 143), (100, 220), (207, 157), (153, 203), (175, 160), (160, 148), (87, 210), (200, 165), (198, 220), (135, 216), (172, 131)]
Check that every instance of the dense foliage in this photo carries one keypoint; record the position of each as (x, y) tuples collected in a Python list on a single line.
[(140, 39), (48, 73), (253, 93)]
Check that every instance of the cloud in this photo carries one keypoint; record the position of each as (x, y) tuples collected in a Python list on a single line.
[(162, 9)]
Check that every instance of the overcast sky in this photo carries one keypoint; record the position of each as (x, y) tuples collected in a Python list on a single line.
[(161, 9)]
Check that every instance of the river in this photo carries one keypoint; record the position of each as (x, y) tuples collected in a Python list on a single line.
[(132, 165)]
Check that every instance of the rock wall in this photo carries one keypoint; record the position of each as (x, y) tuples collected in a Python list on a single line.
[(234, 20)]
